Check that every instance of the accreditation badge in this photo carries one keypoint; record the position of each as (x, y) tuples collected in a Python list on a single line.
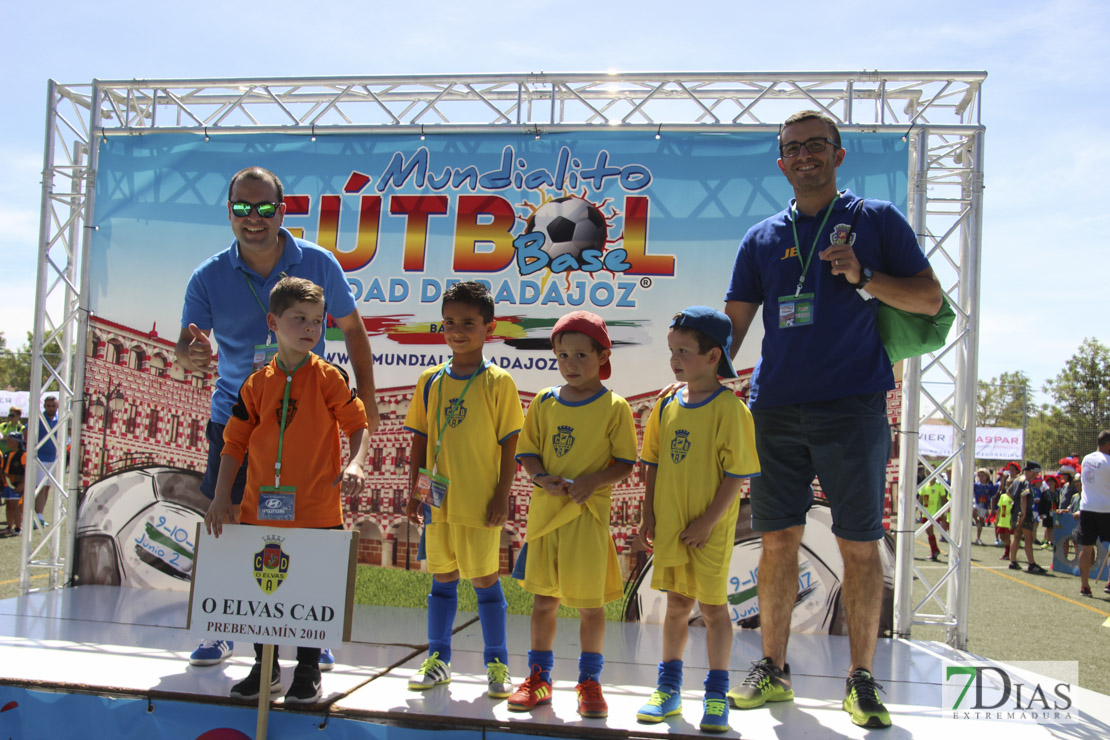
[(263, 353), (795, 310), (276, 503), (431, 488)]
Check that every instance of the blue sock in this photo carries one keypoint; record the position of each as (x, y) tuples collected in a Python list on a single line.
[(716, 684), (670, 676), (589, 666), (545, 660), (443, 602), (492, 609)]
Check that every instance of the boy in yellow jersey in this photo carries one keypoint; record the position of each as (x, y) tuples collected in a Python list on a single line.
[(698, 444), (1002, 526), (465, 416), (578, 440)]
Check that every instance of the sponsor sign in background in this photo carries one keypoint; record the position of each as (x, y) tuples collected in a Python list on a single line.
[(274, 585), (991, 443), (662, 217)]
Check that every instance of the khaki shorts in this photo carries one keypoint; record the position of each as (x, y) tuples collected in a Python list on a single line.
[(576, 563), (472, 551)]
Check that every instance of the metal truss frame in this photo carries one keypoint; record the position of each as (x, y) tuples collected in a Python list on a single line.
[(938, 112)]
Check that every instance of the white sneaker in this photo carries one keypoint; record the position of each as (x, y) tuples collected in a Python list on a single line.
[(500, 685), (432, 672)]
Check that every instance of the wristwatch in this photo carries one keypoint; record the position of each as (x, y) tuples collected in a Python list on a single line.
[(865, 276)]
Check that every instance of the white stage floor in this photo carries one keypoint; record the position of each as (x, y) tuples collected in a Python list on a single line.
[(128, 643)]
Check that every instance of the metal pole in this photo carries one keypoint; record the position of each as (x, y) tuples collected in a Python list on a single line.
[(911, 417)]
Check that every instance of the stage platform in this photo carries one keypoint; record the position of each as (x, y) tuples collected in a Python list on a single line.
[(99, 661)]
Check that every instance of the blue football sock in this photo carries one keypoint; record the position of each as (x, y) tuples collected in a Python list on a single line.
[(492, 609), (443, 602), (589, 666), (716, 682), (545, 659), (670, 675)]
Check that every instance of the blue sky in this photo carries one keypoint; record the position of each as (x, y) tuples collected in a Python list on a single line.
[(1045, 213)]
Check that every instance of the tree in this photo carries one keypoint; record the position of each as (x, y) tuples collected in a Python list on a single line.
[(1002, 401), (15, 367), (1082, 393)]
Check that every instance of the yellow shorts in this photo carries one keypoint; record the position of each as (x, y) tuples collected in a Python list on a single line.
[(576, 563), (472, 551), (702, 578)]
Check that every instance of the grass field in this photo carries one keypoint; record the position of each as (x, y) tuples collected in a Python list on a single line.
[(1013, 615)]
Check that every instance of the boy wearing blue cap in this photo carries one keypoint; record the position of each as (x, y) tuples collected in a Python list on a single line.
[(698, 444)]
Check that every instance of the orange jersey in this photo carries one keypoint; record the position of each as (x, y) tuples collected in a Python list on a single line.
[(320, 404)]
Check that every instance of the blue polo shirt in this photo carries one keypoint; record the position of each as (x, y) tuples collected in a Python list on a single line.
[(219, 298), (47, 452), (840, 354)]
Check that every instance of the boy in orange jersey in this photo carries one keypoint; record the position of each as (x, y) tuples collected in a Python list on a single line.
[(289, 414)]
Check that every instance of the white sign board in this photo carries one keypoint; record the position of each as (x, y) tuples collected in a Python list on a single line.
[(274, 585), (991, 443)]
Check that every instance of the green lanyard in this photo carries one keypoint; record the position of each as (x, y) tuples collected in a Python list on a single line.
[(816, 238), (284, 414), (265, 311), (454, 407)]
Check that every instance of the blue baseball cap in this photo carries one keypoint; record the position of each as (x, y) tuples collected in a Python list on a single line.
[(713, 324)]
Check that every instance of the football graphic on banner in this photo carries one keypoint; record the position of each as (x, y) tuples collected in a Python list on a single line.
[(570, 224)]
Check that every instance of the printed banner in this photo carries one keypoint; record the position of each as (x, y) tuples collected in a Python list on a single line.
[(622, 224), (991, 443)]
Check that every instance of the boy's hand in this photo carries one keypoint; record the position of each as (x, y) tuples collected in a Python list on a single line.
[(646, 535), (352, 480), (556, 485), (220, 511), (697, 533), (415, 510), (580, 489), (497, 513)]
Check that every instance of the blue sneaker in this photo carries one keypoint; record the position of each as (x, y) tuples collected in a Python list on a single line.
[(715, 714), (660, 706), (327, 660), (211, 652)]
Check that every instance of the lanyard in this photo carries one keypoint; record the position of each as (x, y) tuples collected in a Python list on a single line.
[(454, 406), (816, 238), (258, 300), (285, 412)]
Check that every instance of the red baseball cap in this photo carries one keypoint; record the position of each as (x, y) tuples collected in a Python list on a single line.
[(593, 326)]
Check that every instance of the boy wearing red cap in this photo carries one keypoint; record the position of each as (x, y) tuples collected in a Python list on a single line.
[(578, 440), (699, 443)]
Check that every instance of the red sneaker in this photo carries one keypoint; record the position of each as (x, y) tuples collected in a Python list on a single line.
[(591, 703), (534, 691)]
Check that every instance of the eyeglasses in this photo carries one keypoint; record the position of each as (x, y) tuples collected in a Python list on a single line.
[(816, 145), (266, 209)]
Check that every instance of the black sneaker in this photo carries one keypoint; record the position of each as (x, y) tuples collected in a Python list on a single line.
[(305, 688), (1034, 568), (1014, 565), (765, 682), (250, 687), (861, 700)]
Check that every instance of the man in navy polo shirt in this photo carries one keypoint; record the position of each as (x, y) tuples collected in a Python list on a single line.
[(228, 294), (818, 394)]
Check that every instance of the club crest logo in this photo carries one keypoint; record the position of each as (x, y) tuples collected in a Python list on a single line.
[(840, 233), (456, 418), (271, 564), (289, 414), (680, 445), (563, 440)]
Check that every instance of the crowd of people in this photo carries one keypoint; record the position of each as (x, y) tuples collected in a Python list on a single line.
[(1022, 502)]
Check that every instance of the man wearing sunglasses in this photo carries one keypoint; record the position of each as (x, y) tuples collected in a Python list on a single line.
[(228, 295), (818, 394)]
